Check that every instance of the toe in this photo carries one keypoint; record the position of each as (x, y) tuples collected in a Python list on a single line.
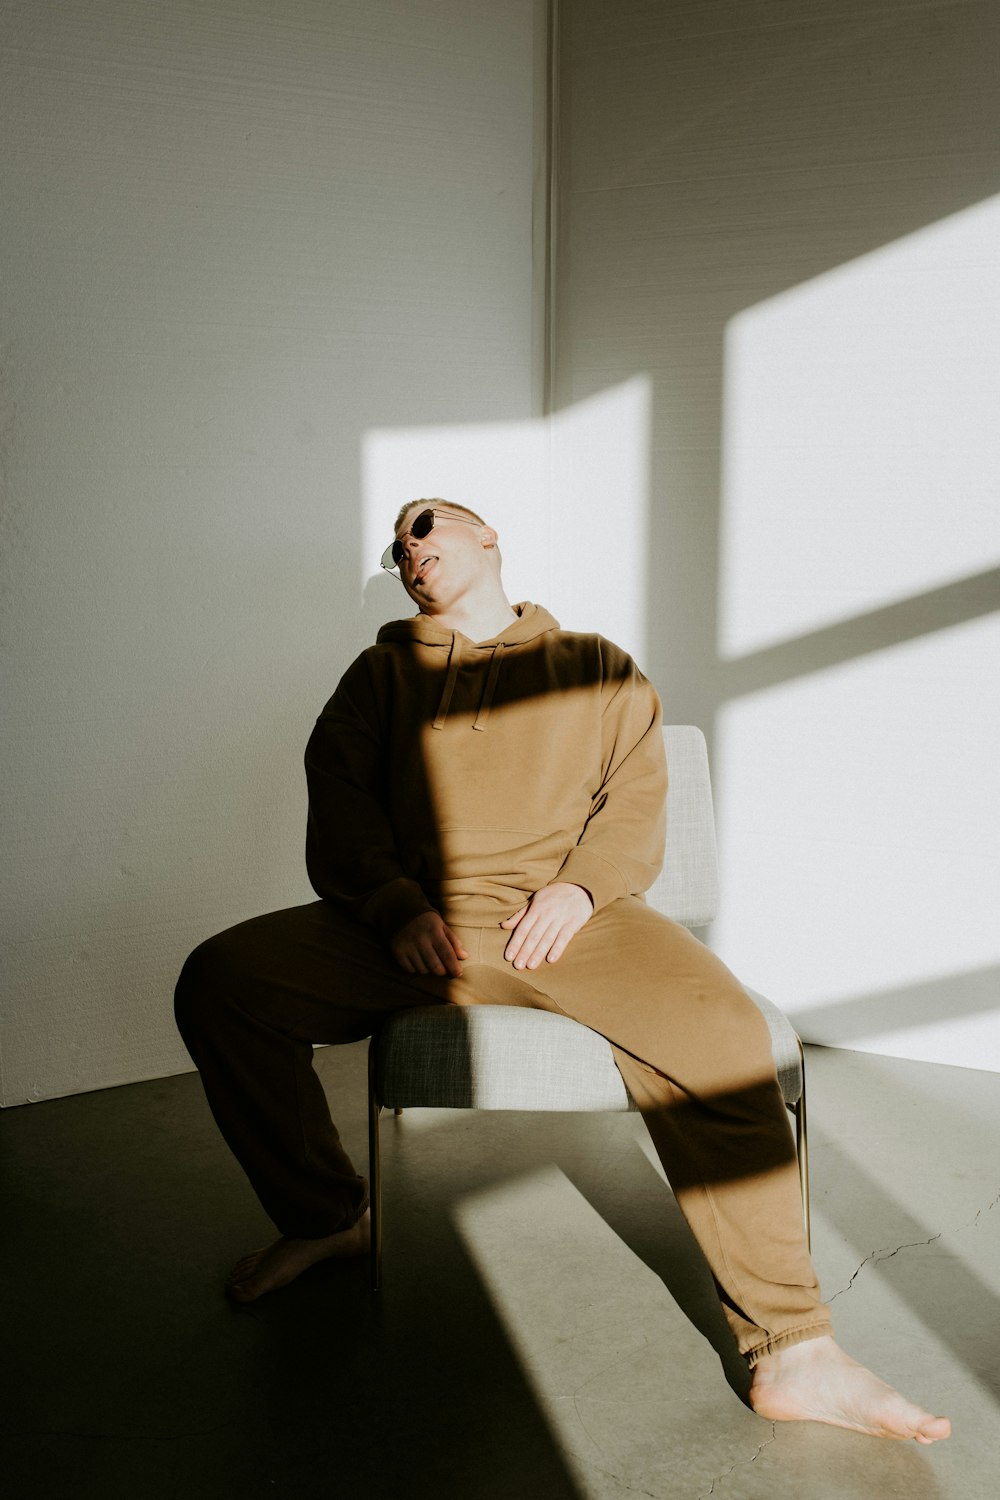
[(241, 1292), (934, 1430), (244, 1268)]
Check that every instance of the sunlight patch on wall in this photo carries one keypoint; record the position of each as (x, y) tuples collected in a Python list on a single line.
[(569, 497), (600, 514), (859, 819), (860, 434)]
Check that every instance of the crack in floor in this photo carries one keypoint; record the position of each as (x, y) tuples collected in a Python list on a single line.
[(742, 1462), (879, 1255), (979, 1215)]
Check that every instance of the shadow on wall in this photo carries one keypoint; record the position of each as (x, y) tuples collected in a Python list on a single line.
[(790, 230), (925, 1007), (707, 171), (794, 229)]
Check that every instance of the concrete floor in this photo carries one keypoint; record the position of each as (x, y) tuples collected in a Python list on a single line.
[(546, 1329)]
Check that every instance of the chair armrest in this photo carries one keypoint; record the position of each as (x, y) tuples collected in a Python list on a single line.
[(785, 1044)]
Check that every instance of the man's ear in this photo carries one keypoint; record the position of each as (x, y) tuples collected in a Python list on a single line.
[(488, 537)]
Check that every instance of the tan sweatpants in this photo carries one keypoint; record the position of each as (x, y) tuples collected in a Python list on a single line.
[(693, 1049)]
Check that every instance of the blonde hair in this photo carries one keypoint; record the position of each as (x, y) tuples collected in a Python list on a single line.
[(432, 505)]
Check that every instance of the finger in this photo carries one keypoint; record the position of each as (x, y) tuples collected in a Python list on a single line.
[(559, 947), (515, 943), (556, 942), (534, 945), (456, 943), (567, 932), (447, 962), (521, 936), (432, 960), (540, 950), (512, 921), (444, 956)]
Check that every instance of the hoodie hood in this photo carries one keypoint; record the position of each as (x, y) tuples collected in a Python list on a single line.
[(458, 650), (531, 621)]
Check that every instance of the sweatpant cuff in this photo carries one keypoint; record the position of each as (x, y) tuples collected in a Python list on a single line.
[(779, 1341), (299, 1231)]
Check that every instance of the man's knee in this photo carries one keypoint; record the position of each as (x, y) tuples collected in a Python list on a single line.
[(204, 984)]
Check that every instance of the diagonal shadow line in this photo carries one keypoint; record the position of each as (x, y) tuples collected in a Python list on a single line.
[(944, 998), (669, 1250), (867, 1200), (937, 609), (663, 1241), (666, 1245)]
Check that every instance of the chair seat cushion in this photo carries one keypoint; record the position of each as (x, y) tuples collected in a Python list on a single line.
[(507, 1057), (494, 1057)]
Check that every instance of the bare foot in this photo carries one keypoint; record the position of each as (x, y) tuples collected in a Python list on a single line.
[(815, 1381), (276, 1265)]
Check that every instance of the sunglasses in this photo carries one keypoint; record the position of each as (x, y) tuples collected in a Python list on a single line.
[(422, 526)]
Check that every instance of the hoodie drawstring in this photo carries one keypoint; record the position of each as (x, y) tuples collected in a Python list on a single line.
[(454, 662), (491, 681), (451, 677)]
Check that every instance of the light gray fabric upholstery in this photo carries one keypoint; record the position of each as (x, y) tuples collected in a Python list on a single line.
[(495, 1057), (784, 1045), (687, 888), (505, 1057)]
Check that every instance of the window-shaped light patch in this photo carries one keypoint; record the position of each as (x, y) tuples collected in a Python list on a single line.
[(861, 441), (859, 820)]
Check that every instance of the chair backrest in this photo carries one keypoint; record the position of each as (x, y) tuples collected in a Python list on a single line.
[(687, 887)]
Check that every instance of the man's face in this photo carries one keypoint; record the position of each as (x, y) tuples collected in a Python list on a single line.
[(437, 569)]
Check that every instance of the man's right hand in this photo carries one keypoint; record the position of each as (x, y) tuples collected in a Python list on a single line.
[(427, 945)]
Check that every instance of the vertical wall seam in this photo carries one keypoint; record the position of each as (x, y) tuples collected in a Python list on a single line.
[(551, 202)]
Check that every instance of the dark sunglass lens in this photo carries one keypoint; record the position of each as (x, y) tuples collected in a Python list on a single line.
[(421, 526)]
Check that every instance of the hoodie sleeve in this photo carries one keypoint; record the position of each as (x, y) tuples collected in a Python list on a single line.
[(620, 851), (351, 852)]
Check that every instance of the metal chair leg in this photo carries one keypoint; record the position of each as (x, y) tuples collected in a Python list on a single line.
[(374, 1171), (802, 1149)]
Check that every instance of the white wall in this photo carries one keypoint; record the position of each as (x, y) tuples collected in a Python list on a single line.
[(238, 238), (785, 218), (266, 259)]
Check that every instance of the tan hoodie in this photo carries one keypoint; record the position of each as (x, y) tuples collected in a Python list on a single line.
[(464, 775)]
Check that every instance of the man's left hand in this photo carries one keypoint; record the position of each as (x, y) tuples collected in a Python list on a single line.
[(543, 928)]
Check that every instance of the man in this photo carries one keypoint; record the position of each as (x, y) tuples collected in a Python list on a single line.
[(486, 804)]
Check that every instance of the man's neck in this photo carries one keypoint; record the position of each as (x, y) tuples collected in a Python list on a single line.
[(478, 619)]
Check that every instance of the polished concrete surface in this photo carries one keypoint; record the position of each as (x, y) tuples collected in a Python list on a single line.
[(546, 1329)]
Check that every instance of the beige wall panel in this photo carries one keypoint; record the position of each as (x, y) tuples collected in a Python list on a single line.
[(237, 238), (778, 213)]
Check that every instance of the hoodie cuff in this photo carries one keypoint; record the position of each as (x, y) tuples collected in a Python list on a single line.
[(603, 881), (393, 905)]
